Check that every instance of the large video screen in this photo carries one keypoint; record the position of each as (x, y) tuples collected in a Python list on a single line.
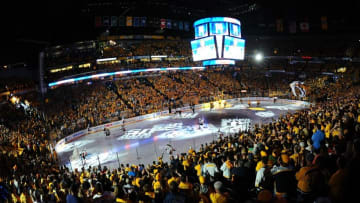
[(235, 30), (201, 31), (204, 49), (234, 48), (219, 28)]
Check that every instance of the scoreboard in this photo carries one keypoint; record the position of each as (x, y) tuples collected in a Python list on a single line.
[(204, 48), (218, 41)]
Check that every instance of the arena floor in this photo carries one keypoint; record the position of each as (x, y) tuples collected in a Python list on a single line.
[(145, 141)]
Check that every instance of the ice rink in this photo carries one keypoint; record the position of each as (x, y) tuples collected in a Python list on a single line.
[(143, 142)]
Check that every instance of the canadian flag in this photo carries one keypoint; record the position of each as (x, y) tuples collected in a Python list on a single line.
[(162, 23), (304, 27)]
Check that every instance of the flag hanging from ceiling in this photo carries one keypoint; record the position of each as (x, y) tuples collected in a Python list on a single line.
[(98, 21), (279, 25), (168, 23), (186, 26), (292, 27), (129, 21), (114, 21), (181, 25), (162, 23), (143, 22), (136, 21), (122, 21), (106, 21), (304, 27), (324, 24)]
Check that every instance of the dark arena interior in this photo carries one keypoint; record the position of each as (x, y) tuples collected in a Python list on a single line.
[(214, 101)]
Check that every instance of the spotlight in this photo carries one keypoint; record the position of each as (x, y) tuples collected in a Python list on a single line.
[(259, 57), (14, 100)]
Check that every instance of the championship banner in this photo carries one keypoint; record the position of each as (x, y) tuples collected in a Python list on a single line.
[(143, 22), (324, 24), (162, 23), (279, 25), (114, 21), (106, 21), (129, 21), (121, 21), (168, 23), (181, 25), (98, 21), (304, 27), (154, 22), (175, 24), (292, 27), (186, 26), (136, 21)]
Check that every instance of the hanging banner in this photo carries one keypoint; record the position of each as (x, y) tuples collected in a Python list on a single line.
[(129, 21), (114, 21), (292, 27), (279, 25), (143, 22), (175, 25), (324, 24), (162, 23), (106, 21), (98, 21), (186, 26), (168, 23), (304, 27), (122, 21), (136, 21), (181, 25)]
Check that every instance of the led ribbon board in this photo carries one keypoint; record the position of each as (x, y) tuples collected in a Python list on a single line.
[(103, 75)]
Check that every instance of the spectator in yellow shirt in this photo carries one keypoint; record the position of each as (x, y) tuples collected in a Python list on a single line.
[(218, 196)]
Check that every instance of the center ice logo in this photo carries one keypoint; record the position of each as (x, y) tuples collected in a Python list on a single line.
[(265, 114), (147, 132)]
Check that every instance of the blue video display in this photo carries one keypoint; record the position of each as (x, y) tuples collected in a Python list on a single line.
[(235, 30), (218, 28), (201, 31), (204, 49), (234, 48)]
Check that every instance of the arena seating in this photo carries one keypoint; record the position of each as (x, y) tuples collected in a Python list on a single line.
[(243, 167)]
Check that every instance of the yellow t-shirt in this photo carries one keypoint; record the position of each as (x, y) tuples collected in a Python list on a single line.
[(327, 130), (22, 198), (186, 164), (303, 181), (177, 180), (198, 170), (335, 133), (296, 130), (150, 194), (185, 186), (259, 165), (217, 198), (156, 185)]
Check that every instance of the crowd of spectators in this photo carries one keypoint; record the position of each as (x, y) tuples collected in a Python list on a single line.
[(152, 47), (94, 104), (280, 161), (15, 84), (312, 154), (73, 54)]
